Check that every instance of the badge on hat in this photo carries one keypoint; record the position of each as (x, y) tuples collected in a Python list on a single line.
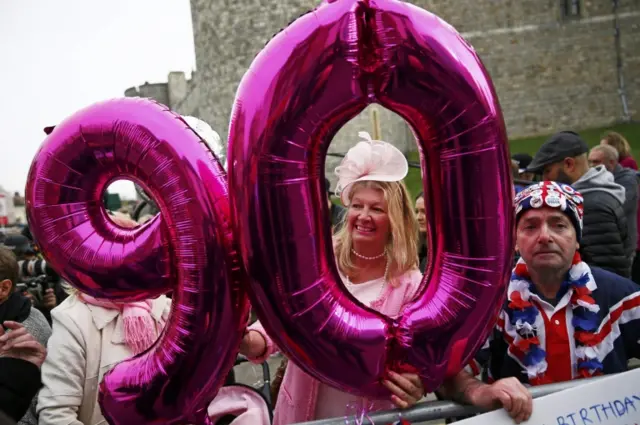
[(553, 195), (536, 202), (553, 200)]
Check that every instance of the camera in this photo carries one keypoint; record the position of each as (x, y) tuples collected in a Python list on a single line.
[(35, 286), (34, 268), (36, 276)]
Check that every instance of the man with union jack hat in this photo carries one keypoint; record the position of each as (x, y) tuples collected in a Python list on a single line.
[(562, 319)]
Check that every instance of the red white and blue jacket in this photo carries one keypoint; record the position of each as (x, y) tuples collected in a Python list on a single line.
[(616, 340)]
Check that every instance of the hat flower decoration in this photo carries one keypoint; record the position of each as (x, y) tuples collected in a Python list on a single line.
[(372, 160)]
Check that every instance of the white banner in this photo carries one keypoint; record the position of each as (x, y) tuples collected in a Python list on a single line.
[(614, 400)]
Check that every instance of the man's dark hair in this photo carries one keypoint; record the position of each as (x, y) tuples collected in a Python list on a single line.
[(8, 266)]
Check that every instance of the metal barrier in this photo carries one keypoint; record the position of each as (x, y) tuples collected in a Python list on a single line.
[(265, 389), (436, 410)]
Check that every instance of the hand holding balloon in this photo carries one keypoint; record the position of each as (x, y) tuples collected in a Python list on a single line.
[(253, 344), (406, 388)]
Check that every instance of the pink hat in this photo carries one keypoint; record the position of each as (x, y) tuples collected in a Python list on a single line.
[(372, 160)]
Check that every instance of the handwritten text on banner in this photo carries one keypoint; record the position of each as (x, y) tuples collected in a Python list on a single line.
[(614, 400)]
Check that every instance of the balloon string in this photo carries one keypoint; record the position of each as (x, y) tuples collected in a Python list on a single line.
[(361, 412)]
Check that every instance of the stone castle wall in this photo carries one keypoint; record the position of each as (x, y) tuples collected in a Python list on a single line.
[(551, 70)]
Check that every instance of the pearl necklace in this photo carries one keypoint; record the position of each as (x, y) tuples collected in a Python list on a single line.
[(364, 257), (383, 284)]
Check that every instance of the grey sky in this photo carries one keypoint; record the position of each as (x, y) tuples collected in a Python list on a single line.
[(60, 56)]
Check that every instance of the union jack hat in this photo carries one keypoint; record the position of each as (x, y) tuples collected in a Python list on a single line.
[(548, 194)]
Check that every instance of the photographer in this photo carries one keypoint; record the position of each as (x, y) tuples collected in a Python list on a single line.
[(37, 281), (27, 324)]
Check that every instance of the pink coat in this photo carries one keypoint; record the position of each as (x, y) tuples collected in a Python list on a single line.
[(298, 393)]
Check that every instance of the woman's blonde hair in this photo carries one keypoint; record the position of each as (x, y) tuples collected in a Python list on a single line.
[(402, 246), (618, 141)]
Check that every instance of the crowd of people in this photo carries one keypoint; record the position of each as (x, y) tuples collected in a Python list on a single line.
[(572, 309), (607, 177)]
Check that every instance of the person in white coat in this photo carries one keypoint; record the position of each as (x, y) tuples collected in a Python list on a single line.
[(90, 336)]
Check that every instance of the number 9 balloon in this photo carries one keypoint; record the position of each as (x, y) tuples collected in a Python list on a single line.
[(312, 78), (188, 248)]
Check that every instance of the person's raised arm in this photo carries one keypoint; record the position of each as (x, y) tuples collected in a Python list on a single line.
[(508, 393)]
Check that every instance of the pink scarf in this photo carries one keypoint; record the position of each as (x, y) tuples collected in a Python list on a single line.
[(140, 328)]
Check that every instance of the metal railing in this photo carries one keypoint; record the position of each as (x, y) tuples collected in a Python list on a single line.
[(437, 410), (265, 388)]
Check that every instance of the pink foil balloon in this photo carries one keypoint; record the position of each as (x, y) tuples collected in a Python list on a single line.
[(311, 79), (189, 248)]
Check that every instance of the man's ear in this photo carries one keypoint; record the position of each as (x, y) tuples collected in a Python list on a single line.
[(569, 163), (5, 288)]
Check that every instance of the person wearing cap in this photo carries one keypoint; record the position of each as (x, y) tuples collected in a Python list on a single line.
[(608, 156), (20, 245), (376, 254), (522, 161), (562, 319), (606, 240)]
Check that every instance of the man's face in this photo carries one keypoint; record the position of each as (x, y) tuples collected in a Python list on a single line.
[(556, 172), (546, 239), (597, 157), (527, 176)]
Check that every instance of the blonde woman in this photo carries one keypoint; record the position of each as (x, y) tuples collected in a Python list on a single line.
[(376, 254), (618, 141)]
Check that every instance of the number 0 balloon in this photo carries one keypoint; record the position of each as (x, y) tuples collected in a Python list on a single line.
[(188, 249), (312, 78)]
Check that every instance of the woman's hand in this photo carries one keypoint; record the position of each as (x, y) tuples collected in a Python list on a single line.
[(406, 389), (253, 344)]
